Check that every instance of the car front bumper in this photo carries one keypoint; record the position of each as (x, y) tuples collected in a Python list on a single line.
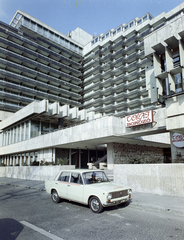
[(113, 203)]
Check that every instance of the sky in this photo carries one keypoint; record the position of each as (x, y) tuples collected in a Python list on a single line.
[(93, 16)]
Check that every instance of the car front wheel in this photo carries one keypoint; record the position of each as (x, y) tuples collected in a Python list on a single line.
[(95, 205), (55, 197)]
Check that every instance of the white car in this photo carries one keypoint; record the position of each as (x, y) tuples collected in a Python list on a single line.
[(89, 187)]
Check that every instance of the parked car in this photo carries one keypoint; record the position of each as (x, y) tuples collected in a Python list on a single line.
[(89, 187)]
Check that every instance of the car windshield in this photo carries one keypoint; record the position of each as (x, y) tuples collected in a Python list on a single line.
[(94, 177)]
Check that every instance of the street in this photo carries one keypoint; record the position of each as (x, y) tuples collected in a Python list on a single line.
[(31, 214)]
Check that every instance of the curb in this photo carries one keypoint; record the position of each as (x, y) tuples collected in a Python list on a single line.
[(23, 186)]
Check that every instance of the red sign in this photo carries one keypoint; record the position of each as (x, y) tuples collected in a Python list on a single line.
[(178, 140), (139, 118)]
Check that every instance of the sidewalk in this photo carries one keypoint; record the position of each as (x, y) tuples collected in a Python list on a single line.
[(143, 200)]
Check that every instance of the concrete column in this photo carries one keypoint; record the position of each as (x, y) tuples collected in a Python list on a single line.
[(96, 154), (171, 82), (169, 66), (169, 59), (20, 160), (53, 155), (11, 160), (7, 137), (5, 160), (29, 130), (21, 131), (10, 136), (13, 135), (29, 159), (24, 136), (8, 160), (110, 155), (156, 64), (70, 156), (24, 159), (33, 156), (40, 128), (16, 132), (79, 158), (14, 162), (3, 137), (88, 155)]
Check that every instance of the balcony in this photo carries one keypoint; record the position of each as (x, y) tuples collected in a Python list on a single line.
[(120, 79), (106, 49), (132, 85), (118, 53), (106, 57), (118, 71), (129, 41), (117, 45), (118, 62), (107, 74)]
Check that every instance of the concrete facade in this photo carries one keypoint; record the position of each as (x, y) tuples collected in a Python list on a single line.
[(69, 95)]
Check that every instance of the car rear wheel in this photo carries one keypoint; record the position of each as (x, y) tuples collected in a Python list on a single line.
[(55, 197), (95, 205)]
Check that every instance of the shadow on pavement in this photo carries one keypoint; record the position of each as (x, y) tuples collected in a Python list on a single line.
[(9, 229)]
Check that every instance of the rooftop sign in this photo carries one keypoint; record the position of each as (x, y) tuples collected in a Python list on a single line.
[(139, 118), (178, 140)]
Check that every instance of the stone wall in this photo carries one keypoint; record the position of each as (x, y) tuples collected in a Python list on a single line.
[(129, 154), (40, 173)]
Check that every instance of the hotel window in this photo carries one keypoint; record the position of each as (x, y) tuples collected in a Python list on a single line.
[(92, 42), (119, 29), (39, 28), (114, 33), (178, 82), (145, 18), (107, 35), (45, 31), (96, 40), (45, 127), (131, 24), (33, 24), (139, 22), (126, 27), (53, 127), (103, 37), (35, 128), (176, 60), (27, 130)]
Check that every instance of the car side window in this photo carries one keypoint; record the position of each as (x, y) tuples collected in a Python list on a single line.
[(76, 178), (64, 177)]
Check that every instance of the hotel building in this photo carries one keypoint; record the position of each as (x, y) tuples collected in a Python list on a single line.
[(68, 96)]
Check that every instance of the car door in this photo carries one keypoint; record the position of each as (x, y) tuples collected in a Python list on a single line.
[(76, 187), (62, 184)]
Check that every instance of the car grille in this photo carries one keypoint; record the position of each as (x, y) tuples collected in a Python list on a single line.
[(119, 194)]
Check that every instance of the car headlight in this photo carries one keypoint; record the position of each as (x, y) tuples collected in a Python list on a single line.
[(130, 192), (109, 196)]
